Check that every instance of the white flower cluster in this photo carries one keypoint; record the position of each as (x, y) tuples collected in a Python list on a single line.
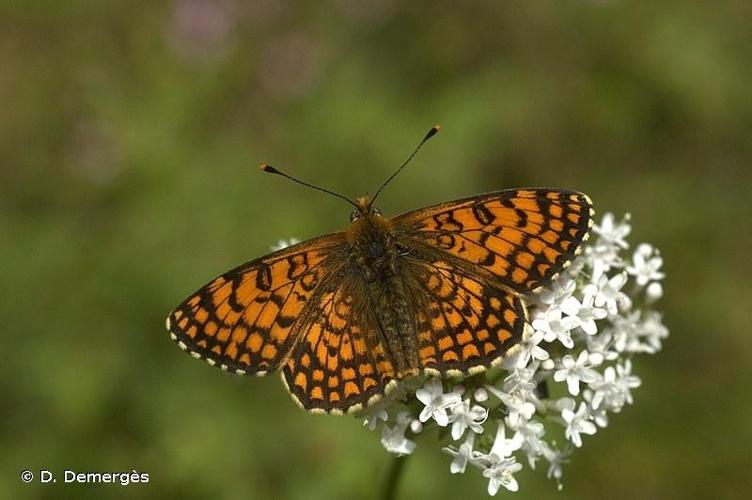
[(571, 371)]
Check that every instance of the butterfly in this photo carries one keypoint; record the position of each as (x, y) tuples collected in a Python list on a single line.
[(346, 316)]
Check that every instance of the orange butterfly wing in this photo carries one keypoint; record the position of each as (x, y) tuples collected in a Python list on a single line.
[(245, 320), (465, 324), (522, 237), (340, 364)]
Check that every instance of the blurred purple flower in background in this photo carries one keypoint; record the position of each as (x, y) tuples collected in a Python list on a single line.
[(201, 29), (290, 64)]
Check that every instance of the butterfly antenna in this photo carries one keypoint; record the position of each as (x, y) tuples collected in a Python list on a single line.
[(272, 170), (428, 135)]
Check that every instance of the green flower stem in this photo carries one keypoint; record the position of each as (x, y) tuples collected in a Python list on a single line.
[(393, 475)]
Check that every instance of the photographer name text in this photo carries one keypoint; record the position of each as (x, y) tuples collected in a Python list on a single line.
[(75, 477)]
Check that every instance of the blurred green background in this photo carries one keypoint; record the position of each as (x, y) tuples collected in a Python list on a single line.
[(129, 144)]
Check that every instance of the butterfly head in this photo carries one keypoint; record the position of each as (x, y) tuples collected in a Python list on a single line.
[(363, 208)]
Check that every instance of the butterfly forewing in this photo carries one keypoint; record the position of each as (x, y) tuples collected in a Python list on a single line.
[(523, 237), (243, 320)]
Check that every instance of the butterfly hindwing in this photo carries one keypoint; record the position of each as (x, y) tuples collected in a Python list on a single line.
[(243, 320), (338, 365), (464, 324), (523, 237)]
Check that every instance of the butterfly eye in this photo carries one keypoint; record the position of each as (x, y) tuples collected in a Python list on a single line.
[(376, 211), (354, 215), (402, 249)]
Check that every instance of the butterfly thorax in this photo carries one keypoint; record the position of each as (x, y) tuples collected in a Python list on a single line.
[(375, 255), (371, 246)]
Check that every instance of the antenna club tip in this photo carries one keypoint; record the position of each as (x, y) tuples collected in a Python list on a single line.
[(268, 168), (432, 132)]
